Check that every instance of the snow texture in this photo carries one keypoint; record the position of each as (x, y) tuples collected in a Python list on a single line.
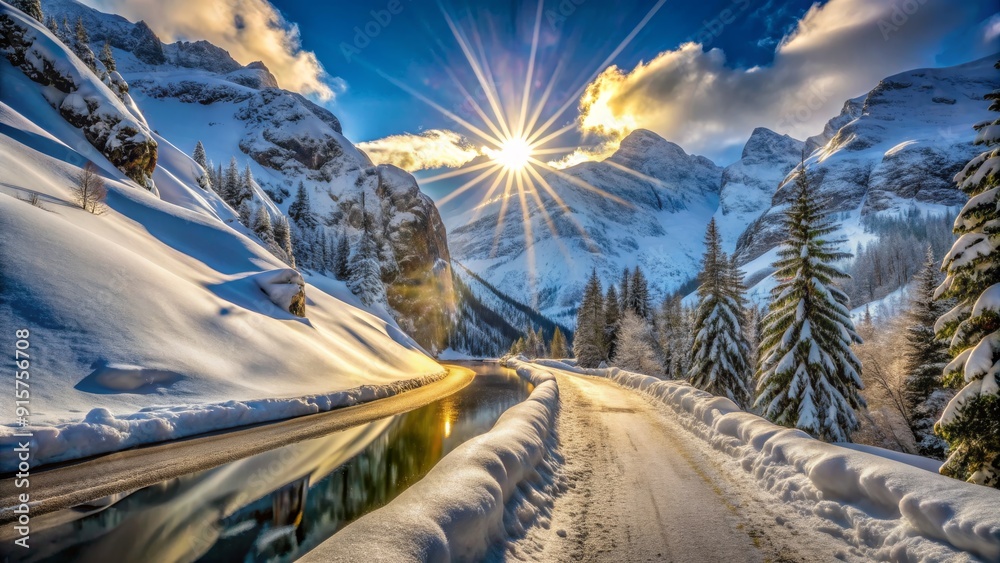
[(899, 511), (490, 487)]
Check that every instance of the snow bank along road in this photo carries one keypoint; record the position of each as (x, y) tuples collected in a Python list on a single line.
[(660, 471), (69, 485)]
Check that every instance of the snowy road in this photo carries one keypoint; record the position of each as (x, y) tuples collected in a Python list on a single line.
[(640, 489)]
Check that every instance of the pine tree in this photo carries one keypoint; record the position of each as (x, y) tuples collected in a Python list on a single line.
[(341, 267), (557, 349), (107, 58), (673, 333), (283, 239), (635, 351), (589, 346), (81, 45), (638, 295), (53, 26), (612, 313), (365, 280), (231, 184), (517, 347), (244, 190), (245, 213), (300, 211), (260, 223), (530, 342), (199, 156), (971, 421), (31, 7), (67, 32), (925, 358), (719, 357), (623, 291), (540, 350), (322, 248), (809, 377)]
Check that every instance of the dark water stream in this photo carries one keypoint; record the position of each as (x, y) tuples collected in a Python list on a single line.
[(277, 505)]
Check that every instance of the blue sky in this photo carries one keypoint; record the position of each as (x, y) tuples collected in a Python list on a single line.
[(412, 46)]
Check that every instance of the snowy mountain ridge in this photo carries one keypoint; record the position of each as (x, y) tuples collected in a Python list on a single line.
[(896, 147)]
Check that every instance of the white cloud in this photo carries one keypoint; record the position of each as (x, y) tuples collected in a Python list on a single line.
[(251, 30), (435, 148), (838, 50)]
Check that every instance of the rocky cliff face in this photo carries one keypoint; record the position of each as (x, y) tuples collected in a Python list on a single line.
[(899, 145), (80, 97), (286, 139)]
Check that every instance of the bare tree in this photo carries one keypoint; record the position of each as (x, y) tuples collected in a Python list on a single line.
[(90, 190)]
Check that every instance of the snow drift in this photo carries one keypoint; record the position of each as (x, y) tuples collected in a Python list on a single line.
[(458, 510), (903, 512)]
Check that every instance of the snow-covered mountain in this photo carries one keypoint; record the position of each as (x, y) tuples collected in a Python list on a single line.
[(749, 183), (285, 139), (893, 148), (639, 206), (162, 316), (899, 145)]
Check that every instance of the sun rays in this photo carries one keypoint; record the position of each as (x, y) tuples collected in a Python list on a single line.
[(512, 135)]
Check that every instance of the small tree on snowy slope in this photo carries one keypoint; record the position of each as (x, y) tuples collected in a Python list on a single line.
[(589, 346), (300, 211), (638, 295), (971, 421), (81, 45), (808, 376), (719, 362), (925, 357), (201, 158), (31, 7), (365, 280), (260, 223), (231, 184), (342, 258), (283, 238), (90, 190), (107, 58)]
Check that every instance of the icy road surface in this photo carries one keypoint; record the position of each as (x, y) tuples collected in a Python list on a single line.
[(641, 489)]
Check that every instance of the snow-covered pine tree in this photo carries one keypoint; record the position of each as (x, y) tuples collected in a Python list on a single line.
[(322, 248), (300, 211), (231, 184), (260, 223), (81, 45), (623, 290), (53, 26), (719, 357), (245, 212), (31, 7), (342, 261), (612, 313), (244, 190), (971, 421), (365, 280), (925, 357), (107, 58), (67, 32), (557, 349), (809, 377), (283, 238), (638, 295), (199, 156), (517, 347), (636, 351), (588, 342)]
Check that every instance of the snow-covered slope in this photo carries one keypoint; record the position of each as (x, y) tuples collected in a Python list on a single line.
[(898, 146), (655, 196), (157, 302), (238, 111)]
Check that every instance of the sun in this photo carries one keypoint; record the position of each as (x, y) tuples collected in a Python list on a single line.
[(514, 154)]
